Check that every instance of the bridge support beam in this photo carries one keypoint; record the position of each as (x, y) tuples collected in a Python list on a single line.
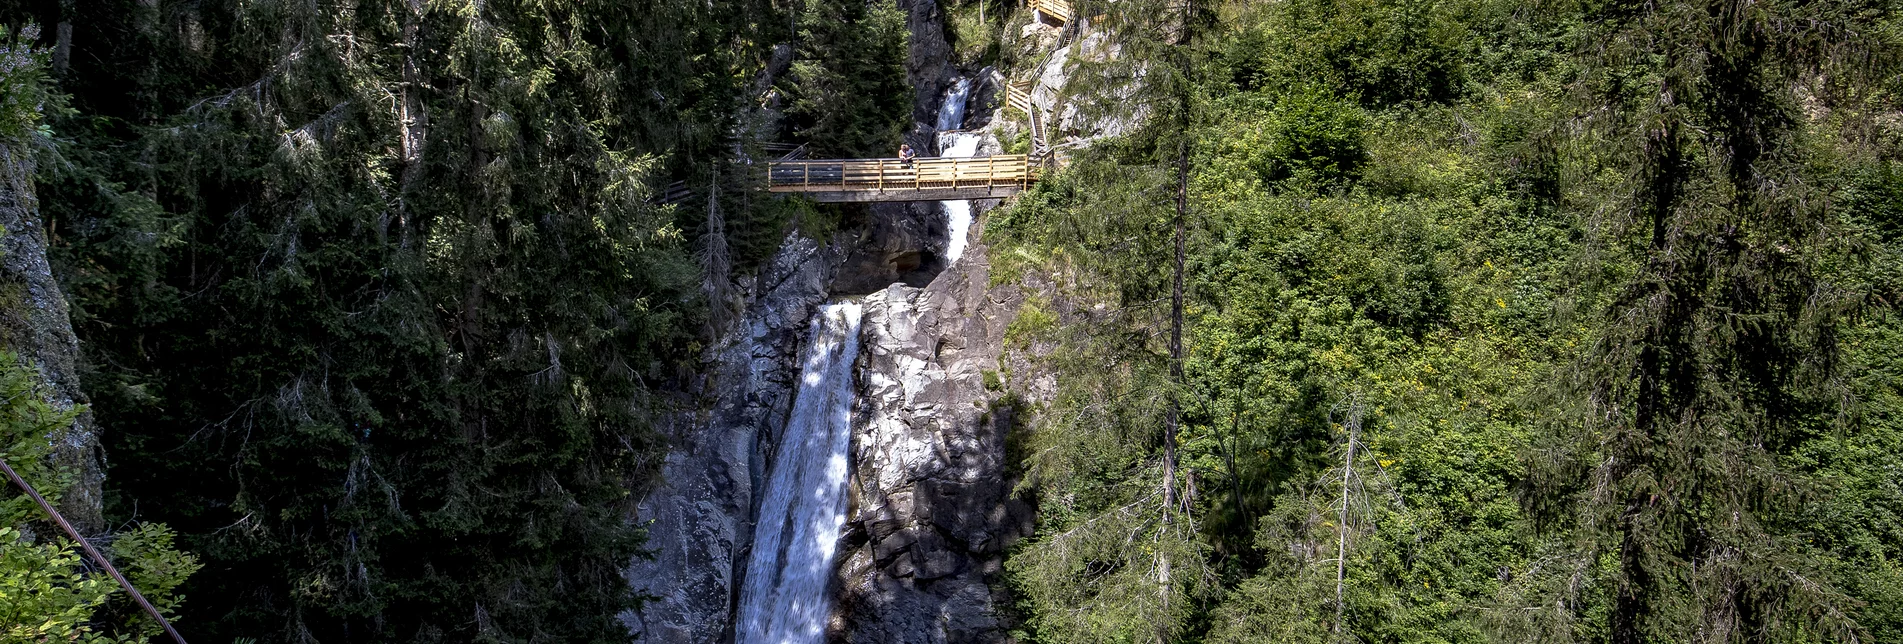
[(928, 194)]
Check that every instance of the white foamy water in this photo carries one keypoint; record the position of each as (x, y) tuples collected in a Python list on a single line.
[(951, 112), (951, 115), (958, 212), (784, 600)]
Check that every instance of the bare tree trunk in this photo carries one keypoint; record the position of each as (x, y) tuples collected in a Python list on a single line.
[(715, 266), (412, 118), (1229, 460), (1174, 416), (1341, 520), (62, 46)]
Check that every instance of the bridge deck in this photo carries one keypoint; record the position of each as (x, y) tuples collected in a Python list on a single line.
[(923, 179)]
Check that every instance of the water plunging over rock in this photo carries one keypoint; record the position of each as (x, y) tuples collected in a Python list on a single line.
[(951, 112), (957, 212), (951, 116), (700, 519), (785, 598)]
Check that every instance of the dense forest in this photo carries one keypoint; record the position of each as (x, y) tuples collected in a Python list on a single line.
[(1550, 321), (1381, 321), (375, 295)]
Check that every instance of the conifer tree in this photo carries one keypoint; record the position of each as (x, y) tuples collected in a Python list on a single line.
[(1719, 354), (1130, 75), (375, 301), (850, 97)]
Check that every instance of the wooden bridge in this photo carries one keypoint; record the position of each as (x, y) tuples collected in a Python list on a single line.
[(922, 179)]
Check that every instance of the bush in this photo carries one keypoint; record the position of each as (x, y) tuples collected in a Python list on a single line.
[(47, 593)]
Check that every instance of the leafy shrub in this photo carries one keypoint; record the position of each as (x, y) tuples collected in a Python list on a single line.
[(1315, 138), (24, 91), (47, 593)]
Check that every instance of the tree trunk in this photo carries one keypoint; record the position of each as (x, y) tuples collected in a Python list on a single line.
[(1341, 520), (1174, 416)]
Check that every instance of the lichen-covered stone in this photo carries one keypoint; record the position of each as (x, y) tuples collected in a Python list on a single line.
[(34, 324)]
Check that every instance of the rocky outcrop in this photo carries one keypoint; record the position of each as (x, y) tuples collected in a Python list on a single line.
[(34, 324), (700, 518), (928, 66), (932, 511), (932, 507), (899, 243)]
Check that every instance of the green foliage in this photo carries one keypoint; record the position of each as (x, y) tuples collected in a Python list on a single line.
[(1384, 52), (47, 592), (1718, 354), (1122, 572), (974, 29), (1126, 567), (26, 95), (1415, 204), (848, 86), (1306, 138)]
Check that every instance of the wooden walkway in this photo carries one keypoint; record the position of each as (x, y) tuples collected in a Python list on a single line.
[(1058, 10), (923, 179)]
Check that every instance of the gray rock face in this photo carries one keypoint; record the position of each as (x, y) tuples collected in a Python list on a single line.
[(901, 242), (928, 61), (34, 323), (701, 517), (932, 512)]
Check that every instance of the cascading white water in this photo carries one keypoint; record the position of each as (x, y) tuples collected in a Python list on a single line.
[(957, 213), (951, 116), (784, 600), (951, 112)]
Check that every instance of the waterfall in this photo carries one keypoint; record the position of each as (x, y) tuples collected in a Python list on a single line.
[(951, 115), (784, 600), (957, 213), (951, 112)]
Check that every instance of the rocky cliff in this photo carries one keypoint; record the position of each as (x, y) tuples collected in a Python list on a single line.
[(34, 324), (700, 519), (932, 510)]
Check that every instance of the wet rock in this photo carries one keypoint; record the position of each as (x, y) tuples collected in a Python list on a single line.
[(700, 517), (899, 243), (930, 484), (928, 59)]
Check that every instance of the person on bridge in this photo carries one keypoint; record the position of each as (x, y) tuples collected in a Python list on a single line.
[(906, 155)]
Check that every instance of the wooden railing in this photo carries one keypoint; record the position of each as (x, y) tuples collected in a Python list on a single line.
[(1018, 95), (1013, 171), (1059, 9)]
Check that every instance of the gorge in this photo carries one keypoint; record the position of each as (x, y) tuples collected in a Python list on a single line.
[(920, 548), (442, 321)]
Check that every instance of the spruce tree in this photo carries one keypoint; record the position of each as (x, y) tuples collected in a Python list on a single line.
[(1719, 353), (377, 307), (1130, 78)]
